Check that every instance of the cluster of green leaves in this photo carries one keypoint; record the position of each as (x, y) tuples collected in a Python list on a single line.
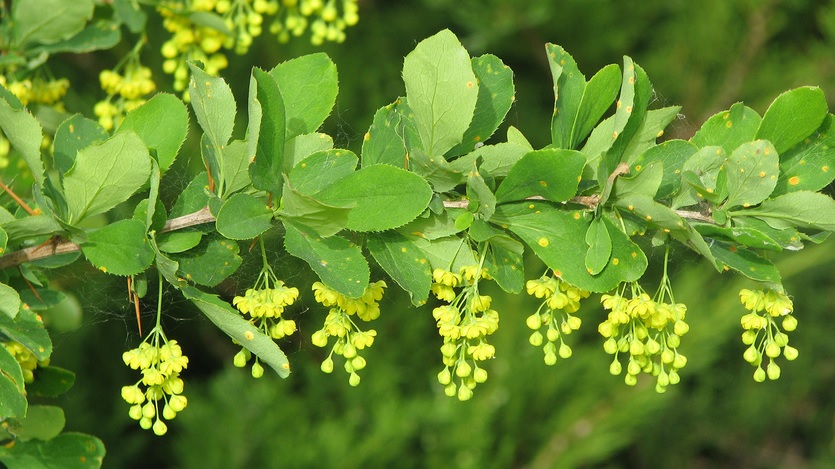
[(424, 193)]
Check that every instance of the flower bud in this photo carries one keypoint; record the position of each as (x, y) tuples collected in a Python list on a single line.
[(464, 393), (667, 356), (445, 377), (630, 380), (781, 339), (773, 370), (449, 349), (660, 389), (552, 335), (674, 377), (565, 351), (480, 375), (149, 410), (463, 369), (535, 339), (772, 350), (790, 352), (160, 428), (652, 347), (257, 370), (789, 323), (636, 348), (354, 379), (178, 402), (610, 346), (550, 358), (574, 322), (146, 423), (633, 368), (615, 368), (679, 362), (240, 359), (358, 362), (450, 389), (168, 413), (533, 321), (751, 355), (349, 351), (663, 379), (680, 328), (320, 338), (673, 341), (748, 337), (135, 412), (759, 375)]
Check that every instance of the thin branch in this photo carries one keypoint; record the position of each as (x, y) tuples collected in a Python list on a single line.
[(65, 247), (19, 200)]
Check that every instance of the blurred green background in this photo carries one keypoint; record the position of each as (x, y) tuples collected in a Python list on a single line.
[(703, 55)]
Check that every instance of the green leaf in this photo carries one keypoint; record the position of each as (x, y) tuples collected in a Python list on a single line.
[(266, 133), (302, 146), (229, 320), (599, 246), (309, 86), (179, 241), (551, 173), (436, 170), (441, 90), (382, 197), (29, 331), (515, 137), (748, 236), (4, 239), (214, 106), (383, 143), (649, 131), (50, 381), (403, 261), (495, 96), (495, 159), (558, 238), (103, 34), (212, 261), (729, 129), (24, 133), (569, 84), (745, 262), (450, 253), (193, 198), (65, 451), (651, 212), (752, 172), (804, 209), (326, 220), (809, 165), (431, 225), (72, 135), (235, 167), (30, 227), (12, 374), (504, 263), (162, 123), (792, 117), (9, 301), (338, 262), (636, 92), (705, 166), (12, 394), (119, 248), (106, 174), (480, 194), (322, 169), (243, 216), (131, 14), (48, 21), (42, 422), (40, 299), (672, 155)]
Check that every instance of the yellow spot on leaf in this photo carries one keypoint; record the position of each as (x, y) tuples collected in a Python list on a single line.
[(286, 366), (103, 269), (367, 136), (825, 169), (543, 242), (794, 180), (469, 84), (648, 217), (249, 335), (402, 249), (634, 254), (615, 261), (543, 183), (762, 174), (531, 206), (576, 215)]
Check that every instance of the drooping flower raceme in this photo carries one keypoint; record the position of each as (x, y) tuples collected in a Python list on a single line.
[(350, 339), (560, 301), (762, 332)]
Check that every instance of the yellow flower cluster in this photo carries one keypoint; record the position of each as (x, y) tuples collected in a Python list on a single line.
[(125, 92), (236, 23), (560, 300), (327, 19), (650, 331), (265, 307), (192, 41), (349, 337), (37, 90), (27, 360), (464, 323), (762, 334), (160, 365)]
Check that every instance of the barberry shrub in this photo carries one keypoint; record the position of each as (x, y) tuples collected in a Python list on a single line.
[(434, 198)]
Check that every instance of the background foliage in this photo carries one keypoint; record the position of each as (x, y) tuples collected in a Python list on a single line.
[(704, 56)]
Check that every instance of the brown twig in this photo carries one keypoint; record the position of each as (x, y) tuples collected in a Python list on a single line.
[(19, 200), (15, 258)]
